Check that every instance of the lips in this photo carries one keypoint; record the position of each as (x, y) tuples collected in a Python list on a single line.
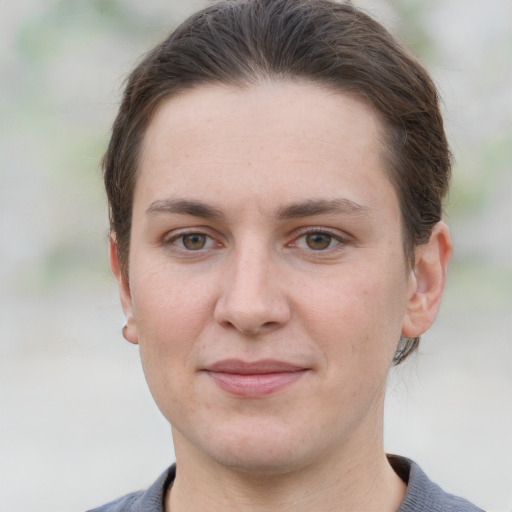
[(254, 379)]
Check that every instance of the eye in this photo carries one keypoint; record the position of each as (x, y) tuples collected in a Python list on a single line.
[(194, 241), (318, 240), (190, 242)]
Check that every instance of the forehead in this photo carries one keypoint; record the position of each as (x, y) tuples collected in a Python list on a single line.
[(276, 141)]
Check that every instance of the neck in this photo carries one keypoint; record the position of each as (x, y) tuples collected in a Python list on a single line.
[(359, 480)]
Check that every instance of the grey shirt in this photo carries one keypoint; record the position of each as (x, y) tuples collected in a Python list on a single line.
[(422, 494)]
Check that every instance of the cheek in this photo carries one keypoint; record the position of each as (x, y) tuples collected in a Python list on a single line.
[(357, 316), (170, 319), (170, 312)]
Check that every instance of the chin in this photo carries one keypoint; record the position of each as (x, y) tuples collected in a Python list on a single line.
[(260, 460), (258, 449)]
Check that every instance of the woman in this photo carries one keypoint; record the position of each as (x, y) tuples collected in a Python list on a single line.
[(275, 179)]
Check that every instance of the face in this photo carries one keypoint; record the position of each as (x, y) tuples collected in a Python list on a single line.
[(267, 284)]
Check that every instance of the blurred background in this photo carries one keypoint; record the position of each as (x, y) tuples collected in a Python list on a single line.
[(77, 424)]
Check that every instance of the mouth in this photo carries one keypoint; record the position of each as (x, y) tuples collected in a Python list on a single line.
[(254, 379)]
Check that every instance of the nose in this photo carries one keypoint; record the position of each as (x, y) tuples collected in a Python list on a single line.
[(253, 299)]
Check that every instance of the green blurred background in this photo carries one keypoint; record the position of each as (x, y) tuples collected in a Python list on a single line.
[(77, 425)]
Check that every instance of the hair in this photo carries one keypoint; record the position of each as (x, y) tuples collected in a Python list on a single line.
[(334, 45)]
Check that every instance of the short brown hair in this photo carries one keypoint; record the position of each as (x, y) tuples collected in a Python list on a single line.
[(240, 42)]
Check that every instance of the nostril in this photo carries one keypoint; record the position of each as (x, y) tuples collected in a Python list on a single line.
[(249, 328)]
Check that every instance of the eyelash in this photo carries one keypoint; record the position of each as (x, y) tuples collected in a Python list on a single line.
[(176, 241), (178, 238), (334, 242)]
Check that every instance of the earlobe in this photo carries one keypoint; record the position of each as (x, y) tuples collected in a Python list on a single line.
[(427, 281), (130, 329)]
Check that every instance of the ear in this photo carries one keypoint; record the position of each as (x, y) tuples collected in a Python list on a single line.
[(427, 281), (130, 330)]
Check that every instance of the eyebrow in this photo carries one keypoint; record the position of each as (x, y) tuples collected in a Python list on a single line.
[(184, 207), (300, 209), (321, 206)]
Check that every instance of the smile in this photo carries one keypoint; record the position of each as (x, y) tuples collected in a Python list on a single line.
[(255, 379)]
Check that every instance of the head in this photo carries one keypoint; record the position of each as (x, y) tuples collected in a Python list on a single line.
[(275, 178), (332, 45)]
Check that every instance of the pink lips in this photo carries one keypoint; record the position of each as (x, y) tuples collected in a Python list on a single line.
[(254, 379)]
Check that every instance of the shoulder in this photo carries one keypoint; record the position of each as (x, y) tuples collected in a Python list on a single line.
[(422, 494), (128, 503), (150, 500)]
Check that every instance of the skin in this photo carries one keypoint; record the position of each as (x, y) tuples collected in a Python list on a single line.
[(302, 263)]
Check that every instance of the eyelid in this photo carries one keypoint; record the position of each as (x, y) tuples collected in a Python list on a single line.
[(336, 233), (340, 237), (170, 238)]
